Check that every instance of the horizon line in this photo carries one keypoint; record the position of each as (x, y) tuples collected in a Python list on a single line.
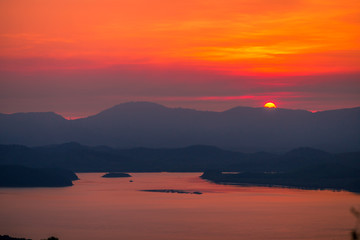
[(169, 107)]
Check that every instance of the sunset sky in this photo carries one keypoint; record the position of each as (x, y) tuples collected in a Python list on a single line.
[(77, 57)]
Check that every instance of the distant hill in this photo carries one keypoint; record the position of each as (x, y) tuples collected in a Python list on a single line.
[(143, 124), (197, 158)]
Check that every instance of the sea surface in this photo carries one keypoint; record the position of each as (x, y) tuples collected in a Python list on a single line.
[(115, 209)]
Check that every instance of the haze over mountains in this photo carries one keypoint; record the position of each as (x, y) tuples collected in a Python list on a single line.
[(143, 124)]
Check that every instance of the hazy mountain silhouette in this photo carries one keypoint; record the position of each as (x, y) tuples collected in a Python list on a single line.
[(304, 157), (79, 158), (142, 124)]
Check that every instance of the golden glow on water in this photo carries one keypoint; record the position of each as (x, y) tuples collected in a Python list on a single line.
[(112, 209)]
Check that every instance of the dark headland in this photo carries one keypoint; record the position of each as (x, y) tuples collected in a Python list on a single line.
[(324, 176), (20, 176)]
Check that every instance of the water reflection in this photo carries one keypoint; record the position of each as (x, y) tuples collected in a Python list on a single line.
[(99, 208)]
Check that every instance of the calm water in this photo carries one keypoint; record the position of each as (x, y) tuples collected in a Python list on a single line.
[(98, 208)]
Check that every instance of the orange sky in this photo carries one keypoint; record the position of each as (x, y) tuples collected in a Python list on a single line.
[(273, 41)]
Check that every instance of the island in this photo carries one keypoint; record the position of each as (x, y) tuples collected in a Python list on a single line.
[(20, 176), (116, 175), (7, 237), (171, 191)]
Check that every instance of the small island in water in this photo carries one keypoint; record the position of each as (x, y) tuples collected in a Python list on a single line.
[(116, 175), (7, 237), (171, 191)]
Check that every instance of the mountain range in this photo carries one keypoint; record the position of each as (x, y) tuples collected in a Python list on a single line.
[(80, 158), (144, 124)]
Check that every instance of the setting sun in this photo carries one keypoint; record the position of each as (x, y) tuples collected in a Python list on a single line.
[(270, 105)]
